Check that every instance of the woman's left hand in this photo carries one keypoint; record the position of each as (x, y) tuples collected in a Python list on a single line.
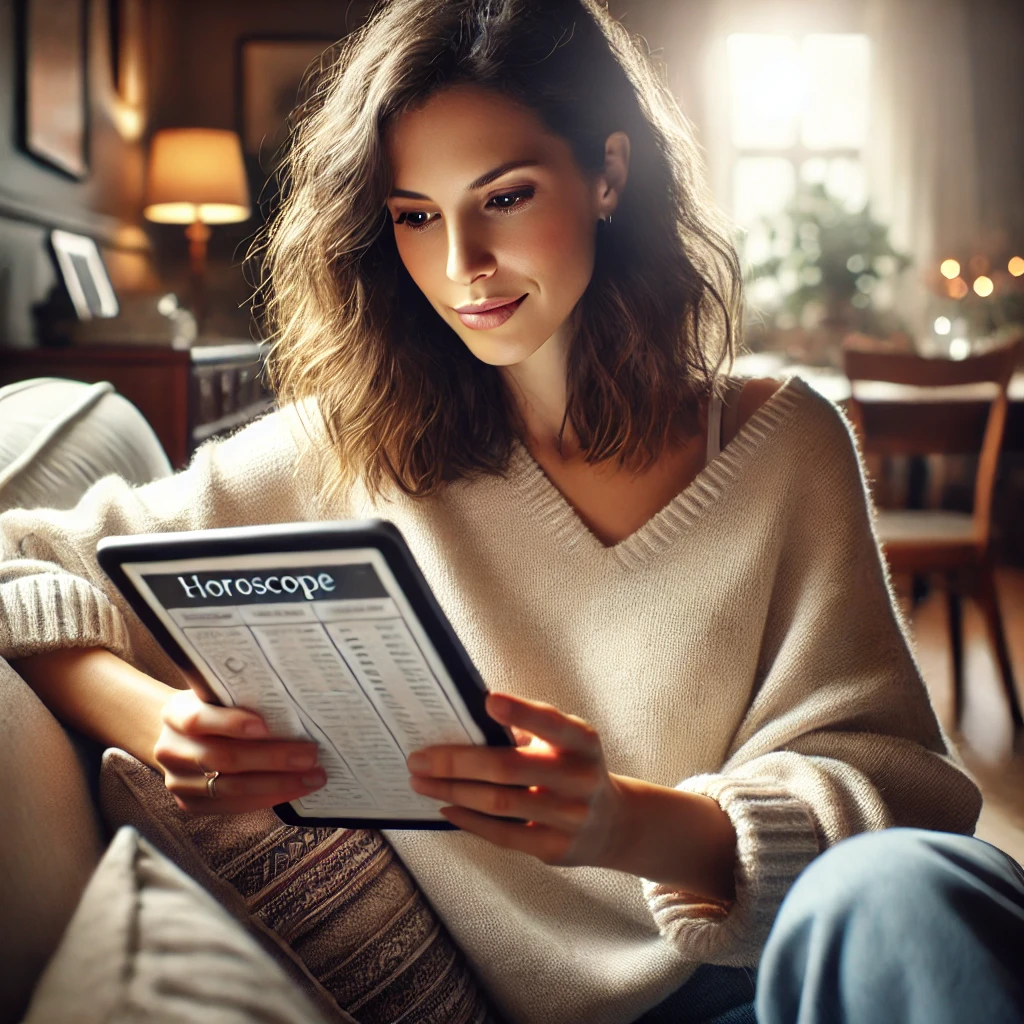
[(570, 808)]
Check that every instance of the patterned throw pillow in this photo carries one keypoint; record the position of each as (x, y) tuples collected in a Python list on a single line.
[(336, 901)]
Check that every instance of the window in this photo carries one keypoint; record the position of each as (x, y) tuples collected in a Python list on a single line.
[(798, 112)]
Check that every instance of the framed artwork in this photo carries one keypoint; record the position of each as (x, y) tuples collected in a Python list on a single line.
[(129, 26), (55, 113), (84, 274), (270, 73)]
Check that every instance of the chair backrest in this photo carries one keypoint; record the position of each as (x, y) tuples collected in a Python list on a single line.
[(938, 425)]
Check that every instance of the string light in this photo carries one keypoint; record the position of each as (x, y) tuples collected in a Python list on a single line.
[(942, 325), (983, 286), (950, 269), (1016, 266)]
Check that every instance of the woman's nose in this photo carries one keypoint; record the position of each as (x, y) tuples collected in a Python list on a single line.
[(469, 256)]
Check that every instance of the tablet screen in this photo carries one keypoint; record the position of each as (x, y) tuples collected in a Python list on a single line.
[(326, 647)]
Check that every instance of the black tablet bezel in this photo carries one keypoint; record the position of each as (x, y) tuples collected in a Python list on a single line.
[(112, 552)]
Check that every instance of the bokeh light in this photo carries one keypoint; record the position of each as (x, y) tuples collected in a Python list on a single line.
[(957, 288), (983, 286), (943, 325), (950, 269), (959, 348), (1016, 266)]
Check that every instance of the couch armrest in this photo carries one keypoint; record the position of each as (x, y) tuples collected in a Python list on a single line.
[(52, 837), (58, 437)]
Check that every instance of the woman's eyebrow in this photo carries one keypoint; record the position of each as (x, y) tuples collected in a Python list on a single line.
[(483, 180)]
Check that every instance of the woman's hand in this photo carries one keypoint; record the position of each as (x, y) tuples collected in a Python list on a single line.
[(570, 808), (255, 771)]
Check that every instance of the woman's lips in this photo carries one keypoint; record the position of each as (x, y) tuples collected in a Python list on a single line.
[(492, 317)]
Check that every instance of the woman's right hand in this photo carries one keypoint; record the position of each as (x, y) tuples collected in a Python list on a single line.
[(255, 771)]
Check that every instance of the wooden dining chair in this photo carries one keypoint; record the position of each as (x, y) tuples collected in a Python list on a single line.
[(952, 544)]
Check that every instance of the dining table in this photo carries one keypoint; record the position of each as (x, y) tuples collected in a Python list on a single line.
[(920, 415)]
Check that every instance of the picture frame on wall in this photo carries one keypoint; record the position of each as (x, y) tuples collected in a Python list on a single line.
[(272, 73), (129, 31), (85, 275), (54, 111)]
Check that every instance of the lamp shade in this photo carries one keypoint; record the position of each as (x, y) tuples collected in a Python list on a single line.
[(196, 174)]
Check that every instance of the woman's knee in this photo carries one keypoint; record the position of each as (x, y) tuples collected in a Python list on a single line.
[(858, 882), (894, 869), (900, 910)]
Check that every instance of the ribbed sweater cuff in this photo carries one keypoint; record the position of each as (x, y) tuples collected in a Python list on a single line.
[(775, 840), (47, 611)]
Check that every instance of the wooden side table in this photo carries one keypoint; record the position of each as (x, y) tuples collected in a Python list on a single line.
[(187, 395)]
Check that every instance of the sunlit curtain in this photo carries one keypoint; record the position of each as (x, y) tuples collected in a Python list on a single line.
[(921, 154)]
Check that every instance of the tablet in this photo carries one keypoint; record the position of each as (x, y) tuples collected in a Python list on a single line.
[(330, 631)]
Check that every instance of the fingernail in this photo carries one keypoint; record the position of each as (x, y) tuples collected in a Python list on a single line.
[(498, 702), (304, 759), (255, 729), (315, 781), (418, 762)]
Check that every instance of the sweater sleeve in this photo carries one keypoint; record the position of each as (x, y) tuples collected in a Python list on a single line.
[(53, 593), (840, 736)]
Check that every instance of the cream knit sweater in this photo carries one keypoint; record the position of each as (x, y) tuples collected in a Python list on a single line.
[(743, 644)]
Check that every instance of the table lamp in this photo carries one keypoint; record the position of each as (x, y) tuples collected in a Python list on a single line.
[(196, 176)]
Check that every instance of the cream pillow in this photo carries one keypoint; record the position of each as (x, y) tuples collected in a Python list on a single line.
[(147, 944)]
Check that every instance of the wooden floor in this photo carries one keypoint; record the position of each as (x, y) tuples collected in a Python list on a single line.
[(984, 737)]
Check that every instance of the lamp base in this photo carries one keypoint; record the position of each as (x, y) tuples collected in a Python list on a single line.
[(198, 234)]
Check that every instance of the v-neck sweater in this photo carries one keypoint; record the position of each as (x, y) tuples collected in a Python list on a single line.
[(743, 644)]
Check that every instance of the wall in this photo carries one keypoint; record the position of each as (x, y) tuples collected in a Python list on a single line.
[(997, 45), (35, 198), (196, 83), (193, 81)]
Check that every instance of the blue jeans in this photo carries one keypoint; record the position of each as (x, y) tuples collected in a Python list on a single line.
[(902, 926)]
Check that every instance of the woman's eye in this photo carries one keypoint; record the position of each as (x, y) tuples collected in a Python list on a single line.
[(413, 219), (417, 220), (510, 200)]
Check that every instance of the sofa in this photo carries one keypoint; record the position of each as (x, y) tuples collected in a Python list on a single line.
[(115, 905)]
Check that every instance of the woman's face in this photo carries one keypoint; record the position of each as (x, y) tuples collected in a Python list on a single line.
[(489, 205)]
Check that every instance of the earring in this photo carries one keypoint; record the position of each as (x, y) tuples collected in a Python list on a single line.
[(608, 219)]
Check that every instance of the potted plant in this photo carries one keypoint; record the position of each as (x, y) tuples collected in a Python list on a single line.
[(828, 272)]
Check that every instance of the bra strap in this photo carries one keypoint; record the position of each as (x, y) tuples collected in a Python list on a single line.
[(714, 429), (731, 410), (723, 414)]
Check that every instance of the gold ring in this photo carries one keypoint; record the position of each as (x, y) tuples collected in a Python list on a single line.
[(211, 779)]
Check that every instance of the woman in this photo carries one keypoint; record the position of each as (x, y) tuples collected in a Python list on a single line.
[(502, 303)]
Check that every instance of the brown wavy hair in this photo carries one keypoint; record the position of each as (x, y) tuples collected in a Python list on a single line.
[(403, 400)]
